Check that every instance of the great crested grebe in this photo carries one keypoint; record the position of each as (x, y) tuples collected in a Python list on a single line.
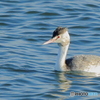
[(88, 63)]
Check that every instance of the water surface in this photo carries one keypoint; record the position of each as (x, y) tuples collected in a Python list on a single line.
[(27, 67)]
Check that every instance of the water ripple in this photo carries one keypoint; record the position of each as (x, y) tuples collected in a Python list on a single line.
[(27, 67)]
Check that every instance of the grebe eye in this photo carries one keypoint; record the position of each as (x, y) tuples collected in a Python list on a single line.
[(58, 36)]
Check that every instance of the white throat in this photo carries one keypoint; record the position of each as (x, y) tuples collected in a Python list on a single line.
[(60, 63)]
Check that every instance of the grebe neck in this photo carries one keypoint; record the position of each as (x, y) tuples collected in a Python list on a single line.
[(60, 63)]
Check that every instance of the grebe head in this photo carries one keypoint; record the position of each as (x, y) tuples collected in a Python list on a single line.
[(60, 36)]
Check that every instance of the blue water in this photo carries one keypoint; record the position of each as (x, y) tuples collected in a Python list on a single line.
[(27, 67)]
